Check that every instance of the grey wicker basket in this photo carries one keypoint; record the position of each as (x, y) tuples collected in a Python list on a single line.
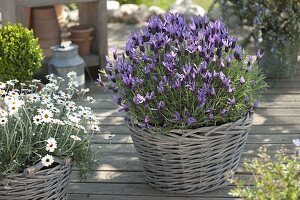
[(191, 161), (37, 184)]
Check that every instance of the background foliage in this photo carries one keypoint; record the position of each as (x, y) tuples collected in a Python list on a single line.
[(276, 29), (275, 177)]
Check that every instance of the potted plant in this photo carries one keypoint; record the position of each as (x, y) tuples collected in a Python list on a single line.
[(275, 177), (276, 29), (20, 53), (189, 91), (42, 134)]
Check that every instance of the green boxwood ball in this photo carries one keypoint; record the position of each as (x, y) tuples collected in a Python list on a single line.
[(20, 53)]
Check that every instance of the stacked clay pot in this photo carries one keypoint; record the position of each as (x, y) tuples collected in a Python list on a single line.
[(81, 35)]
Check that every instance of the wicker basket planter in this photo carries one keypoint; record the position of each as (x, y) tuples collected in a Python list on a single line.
[(33, 184), (191, 161)]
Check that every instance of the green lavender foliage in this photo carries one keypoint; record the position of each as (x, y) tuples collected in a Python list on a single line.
[(20, 53)]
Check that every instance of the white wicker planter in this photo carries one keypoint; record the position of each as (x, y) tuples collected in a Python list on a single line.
[(36, 184), (191, 161)]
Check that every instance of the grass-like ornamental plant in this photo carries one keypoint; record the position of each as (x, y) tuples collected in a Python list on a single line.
[(20, 53), (274, 178), (184, 73), (41, 125)]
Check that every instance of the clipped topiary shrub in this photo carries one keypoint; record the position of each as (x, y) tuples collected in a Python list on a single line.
[(20, 53)]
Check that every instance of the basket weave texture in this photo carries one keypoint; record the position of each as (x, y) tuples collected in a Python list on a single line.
[(193, 160), (35, 184)]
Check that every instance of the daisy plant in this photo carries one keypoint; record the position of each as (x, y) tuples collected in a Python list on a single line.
[(41, 125)]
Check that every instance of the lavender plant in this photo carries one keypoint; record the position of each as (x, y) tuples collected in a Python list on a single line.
[(184, 73)]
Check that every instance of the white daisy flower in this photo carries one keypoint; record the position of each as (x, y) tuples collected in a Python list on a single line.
[(8, 99), (46, 115), (13, 109), (51, 145), (72, 75), (3, 113), (109, 137), (37, 119), (55, 110), (2, 92), (73, 84), (76, 138), (90, 99), (36, 81), (74, 118), (2, 85), (13, 94), (95, 127), (85, 113), (17, 103), (10, 82), (59, 101), (47, 160), (34, 98), (3, 120), (57, 121)]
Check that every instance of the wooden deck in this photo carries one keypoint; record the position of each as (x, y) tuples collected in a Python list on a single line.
[(119, 175)]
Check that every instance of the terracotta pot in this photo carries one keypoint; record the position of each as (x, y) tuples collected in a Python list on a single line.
[(81, 31), (27, 11), (84, 45), (59, 9), (45, 27), (44, 23)]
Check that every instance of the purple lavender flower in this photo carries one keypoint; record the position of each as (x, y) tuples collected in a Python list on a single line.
[(117, 98), (247, 99), (99, 80), (147, 121), (238, 53), (255, 104), (191, 121), (242, 80), (231, 102), (114, 51), (124, 108), (202, 96), (203, 66), (149, 96), (177, 116), (228, 60), (212, 91), (222, 63), (138, 99), (225, 81), (249, 60), (192, 86), (160, 87), (161, 105), (210, 113), (224, 111), (186, 70), (259, 54)]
